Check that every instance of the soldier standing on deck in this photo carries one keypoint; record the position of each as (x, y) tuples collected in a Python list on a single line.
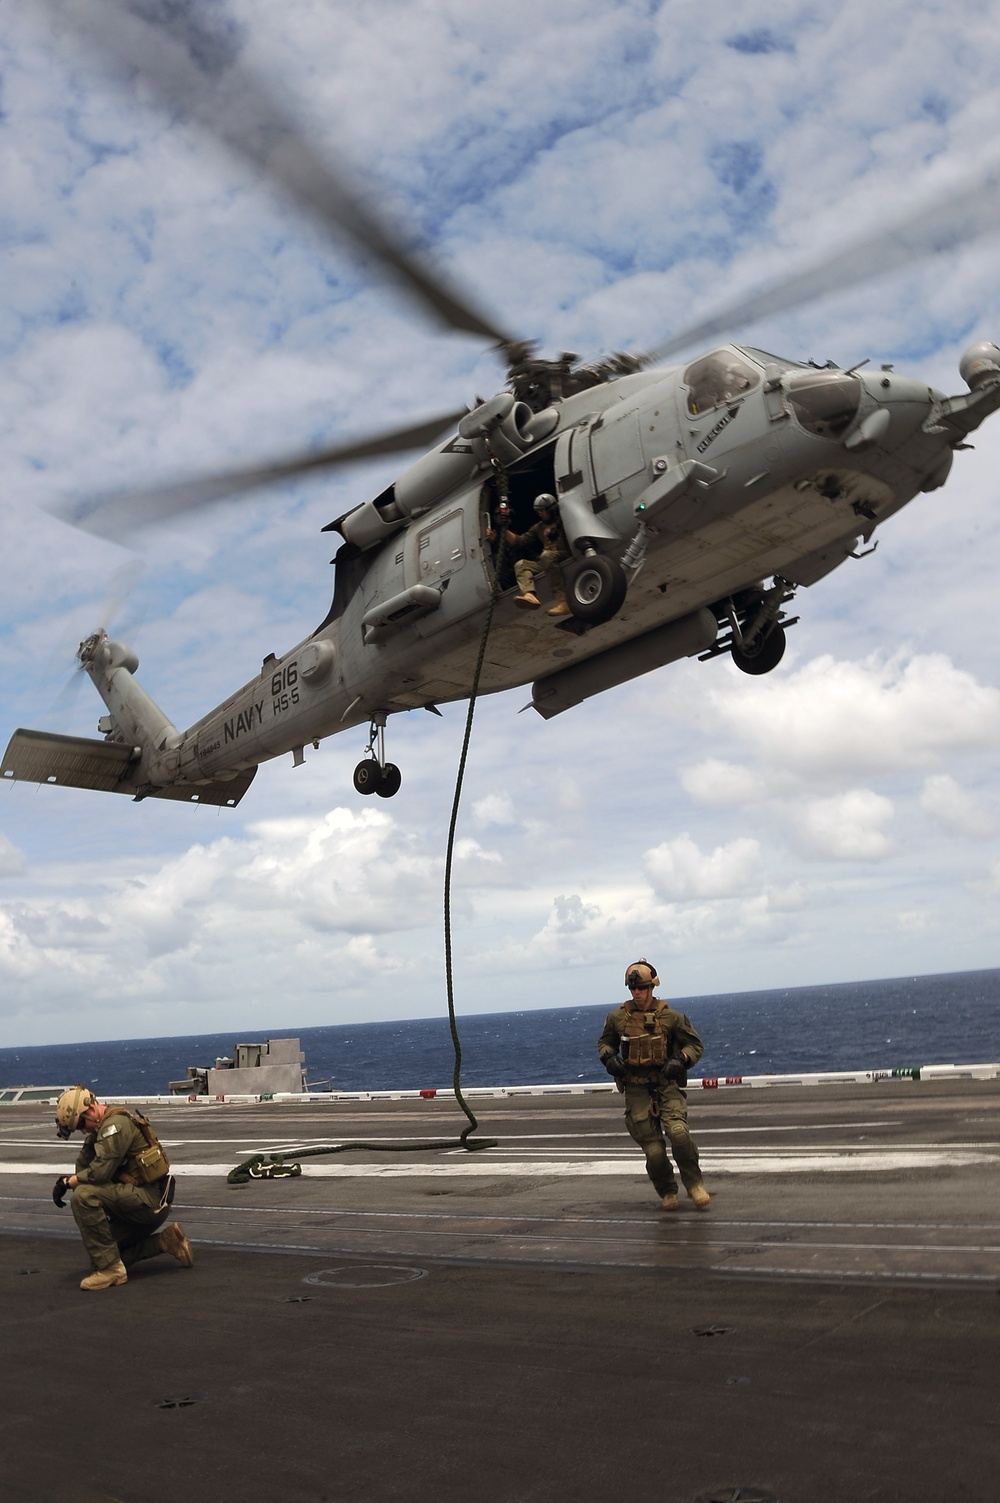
[(122, 1188), (648, 1048)]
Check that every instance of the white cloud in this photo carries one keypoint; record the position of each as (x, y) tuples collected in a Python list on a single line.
[(679, 869), (692, 928), (847, 827), (843, 720), (12, 859), (988, 885), (572, 914), (495, 809), (721, 784), (343, 874), (467, 849), (955, 809)]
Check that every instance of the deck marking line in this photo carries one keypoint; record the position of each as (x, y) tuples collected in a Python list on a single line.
[(853, 1273), (638, 1221), (489, 1166)]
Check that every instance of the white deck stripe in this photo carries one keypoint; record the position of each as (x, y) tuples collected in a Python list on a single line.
[(613, 1131), (492, 1165)]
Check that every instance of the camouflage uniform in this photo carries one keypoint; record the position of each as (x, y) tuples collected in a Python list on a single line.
[(654, 1106), (550, 540), (117, 1218)]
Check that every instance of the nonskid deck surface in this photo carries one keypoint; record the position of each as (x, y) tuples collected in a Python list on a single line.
[(525, 1323), (895, 1181)]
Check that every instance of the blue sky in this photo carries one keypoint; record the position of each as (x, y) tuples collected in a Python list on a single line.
[(596, 174)]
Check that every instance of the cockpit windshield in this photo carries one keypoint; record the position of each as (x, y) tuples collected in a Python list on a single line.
[(825, 402), (766, 358), (716, 378)]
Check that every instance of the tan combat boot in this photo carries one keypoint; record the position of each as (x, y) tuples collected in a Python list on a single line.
[(173, 1241), (700, 1197), (106, 1278), (669, 1202), (529, 601), (561, 607)]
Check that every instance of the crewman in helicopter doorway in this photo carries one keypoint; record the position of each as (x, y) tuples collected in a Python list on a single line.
[(547, 537), (648, 1048), (122, 1188)]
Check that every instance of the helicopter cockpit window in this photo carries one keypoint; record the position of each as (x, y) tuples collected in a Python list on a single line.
[(718, 378), (825, 402)]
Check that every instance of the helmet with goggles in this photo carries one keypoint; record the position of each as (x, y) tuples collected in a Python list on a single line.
[(71, 1108), (641, 974)]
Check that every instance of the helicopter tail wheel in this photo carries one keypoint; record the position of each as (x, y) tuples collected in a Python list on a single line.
[(368, 776), (595, 587), (389, 782), (766, 654)]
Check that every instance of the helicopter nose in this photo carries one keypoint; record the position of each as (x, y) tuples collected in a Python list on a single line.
[(891, 408)]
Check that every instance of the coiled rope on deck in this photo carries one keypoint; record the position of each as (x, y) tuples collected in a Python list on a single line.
[(285, 1165)]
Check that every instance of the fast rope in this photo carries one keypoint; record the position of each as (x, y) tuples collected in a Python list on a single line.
[(502, 515), (285, 1165)]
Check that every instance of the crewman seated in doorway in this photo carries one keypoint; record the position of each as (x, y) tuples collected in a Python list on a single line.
[(547, 537)]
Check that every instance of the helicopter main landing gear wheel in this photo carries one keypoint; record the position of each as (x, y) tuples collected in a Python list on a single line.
[(390, 781), (595, 587), (374, 774), (765, 654), (369, 777)]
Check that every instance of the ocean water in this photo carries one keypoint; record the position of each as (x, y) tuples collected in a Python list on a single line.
[(913, 1020)]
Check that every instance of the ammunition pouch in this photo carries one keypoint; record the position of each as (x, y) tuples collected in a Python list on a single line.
[(644, 1044), (647, 1051)]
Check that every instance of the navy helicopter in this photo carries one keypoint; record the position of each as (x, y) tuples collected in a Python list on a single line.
[(694, 499)]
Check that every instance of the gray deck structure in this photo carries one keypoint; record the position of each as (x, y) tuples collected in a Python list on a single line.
[(525, 1323)]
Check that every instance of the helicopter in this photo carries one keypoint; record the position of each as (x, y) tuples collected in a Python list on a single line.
[(695, 499)]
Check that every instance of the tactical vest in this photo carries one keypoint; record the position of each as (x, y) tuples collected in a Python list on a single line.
[(644, 1043), (150, 1164)]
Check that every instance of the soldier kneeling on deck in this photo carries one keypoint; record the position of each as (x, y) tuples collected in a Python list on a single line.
[(648, 1048), (122, 1188)]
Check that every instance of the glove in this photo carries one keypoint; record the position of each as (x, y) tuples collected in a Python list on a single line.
[(59, 1191), (674, 1069), (614, 1065)]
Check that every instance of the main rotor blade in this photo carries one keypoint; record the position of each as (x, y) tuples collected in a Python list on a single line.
[(116, 516), (191, 65), (942, 225), (118, 590)]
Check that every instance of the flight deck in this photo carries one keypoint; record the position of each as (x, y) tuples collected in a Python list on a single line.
[(525, 1322)]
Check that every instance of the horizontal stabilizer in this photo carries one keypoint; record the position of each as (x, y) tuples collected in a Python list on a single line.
[(224, 794), (107, 766), (75, 761)]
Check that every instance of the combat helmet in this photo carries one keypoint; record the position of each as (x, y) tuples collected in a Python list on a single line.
[(70, 1108), (546, 502), (641, 973)]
